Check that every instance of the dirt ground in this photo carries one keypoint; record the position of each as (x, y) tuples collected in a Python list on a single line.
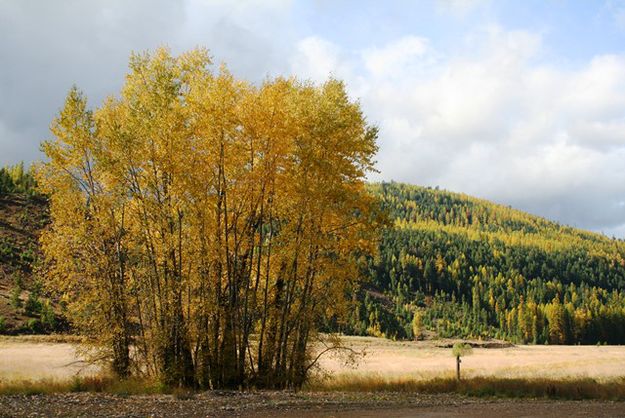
[(302, 405)]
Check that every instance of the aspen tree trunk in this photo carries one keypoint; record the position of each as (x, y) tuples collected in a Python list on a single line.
[(121, 338)]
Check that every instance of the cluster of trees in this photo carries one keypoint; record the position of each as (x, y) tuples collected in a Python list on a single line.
[(203, 227), (468, 268), (15, 179)]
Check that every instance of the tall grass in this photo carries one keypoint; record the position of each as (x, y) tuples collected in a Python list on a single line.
[(571, 388), (82, 384), (566, 388), (43, 338)]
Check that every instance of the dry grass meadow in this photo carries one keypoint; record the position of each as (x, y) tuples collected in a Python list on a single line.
[(41, 358), (426, 360), (24, 358)]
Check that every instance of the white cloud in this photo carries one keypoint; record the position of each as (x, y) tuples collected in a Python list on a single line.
[(400, 54), (46, 47), (251, 36), (486, 115), (494, 121), (600, 134), (317, 59)]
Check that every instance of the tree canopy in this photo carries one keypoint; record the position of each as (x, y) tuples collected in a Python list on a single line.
[(207, 222)]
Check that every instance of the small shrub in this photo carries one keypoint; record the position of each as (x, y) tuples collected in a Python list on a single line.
[(18, 280), (33, 304), (182, 394), (16, 301), (417, 325), (6, 250), (76, 385), (34, 325), (47, 317), (27, 256), (461, 350), (37, 288), (3, 325)]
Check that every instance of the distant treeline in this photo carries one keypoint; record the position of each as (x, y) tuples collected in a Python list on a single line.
[(465, 267), (15, 179)]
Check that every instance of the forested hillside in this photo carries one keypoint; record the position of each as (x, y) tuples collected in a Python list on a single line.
[(24, 307), (450, 265), (466, 267)]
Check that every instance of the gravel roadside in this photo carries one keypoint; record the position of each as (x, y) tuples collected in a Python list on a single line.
[(301, 405)]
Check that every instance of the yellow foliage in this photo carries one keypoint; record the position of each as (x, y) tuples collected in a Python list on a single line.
[(197, 210)]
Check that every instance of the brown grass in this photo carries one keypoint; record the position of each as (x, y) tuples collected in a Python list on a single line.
[(39, 338), (577, 389), (573, 388), (425, 360), (82, 384), (30, 365)]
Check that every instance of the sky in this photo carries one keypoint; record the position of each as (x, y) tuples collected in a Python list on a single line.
[(519, 102)]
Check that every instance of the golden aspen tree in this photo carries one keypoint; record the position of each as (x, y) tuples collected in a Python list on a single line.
[(85, 248), (244, 213)]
